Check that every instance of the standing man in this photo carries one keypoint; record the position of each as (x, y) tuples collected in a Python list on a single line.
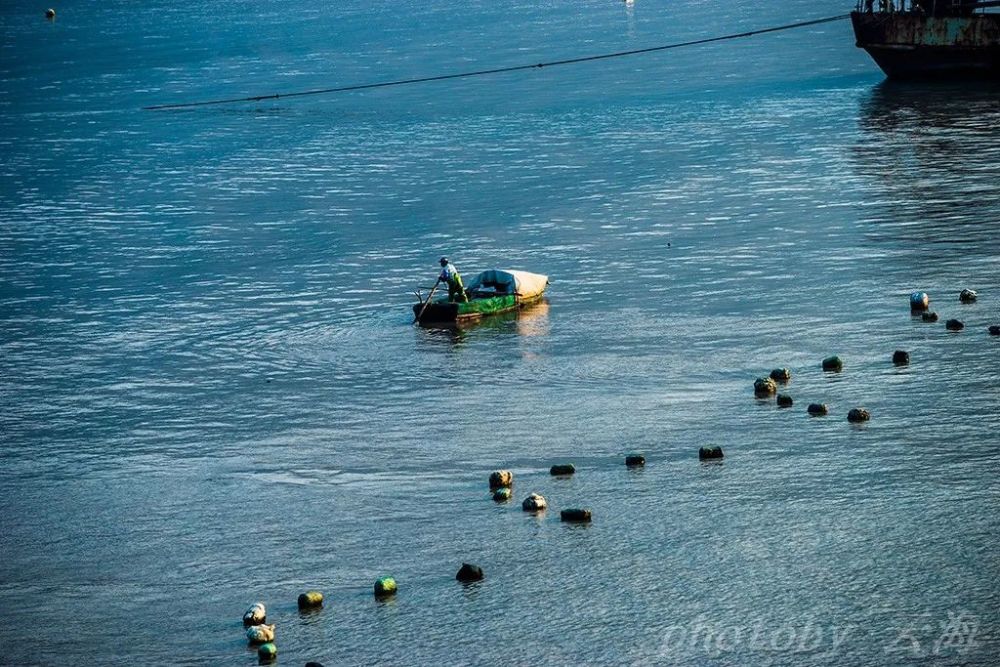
[(449, 274)]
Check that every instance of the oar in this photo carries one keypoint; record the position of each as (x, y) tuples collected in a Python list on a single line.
[(427, 303)]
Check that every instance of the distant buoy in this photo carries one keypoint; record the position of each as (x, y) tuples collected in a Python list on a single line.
[(314, 664), (502, 494), (534, 503), (900, 357), (575, 516), (561, 469), (929, 317), (267, 652), (764, 387), (310, 600), (817, 409), (954, 325), (635, 461), (710, 452), (919, 301), (50, 13), (255, 615), (784, 401), (995, 330), (833, 364), (501, 478), (259, 634), (858, 415), (385, 587), (469, 572), (781, 375), (968, 296)]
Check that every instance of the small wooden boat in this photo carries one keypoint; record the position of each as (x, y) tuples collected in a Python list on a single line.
[(491, 292)]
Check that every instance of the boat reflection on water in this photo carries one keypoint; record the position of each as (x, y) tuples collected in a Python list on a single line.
[(932, 151), (531, 320)]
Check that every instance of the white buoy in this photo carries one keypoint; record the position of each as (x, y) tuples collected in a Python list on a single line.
[(255, 615)]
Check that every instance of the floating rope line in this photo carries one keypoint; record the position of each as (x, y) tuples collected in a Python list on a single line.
[(498, 70)]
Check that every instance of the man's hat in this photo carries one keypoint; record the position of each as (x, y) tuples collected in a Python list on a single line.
[(443, 260)]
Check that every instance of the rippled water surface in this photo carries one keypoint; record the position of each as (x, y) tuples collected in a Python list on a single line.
[(212, 392)]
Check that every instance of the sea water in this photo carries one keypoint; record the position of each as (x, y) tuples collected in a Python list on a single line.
[(211, 391)]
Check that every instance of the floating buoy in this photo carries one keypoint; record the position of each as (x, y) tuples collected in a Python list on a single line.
[(384, 587), (929, 317), (534, 503), (469, 572), (50, 13), (710, 452), (255, 615), (954, 325), (900, 357), (502, 494), (635, 460), (919, 301), (858, 415), (781, 375), (784, 401), (310, 600), (562, 469), (995, 330), (259, 634), (764, 387), (314, 664), (501, 478), (267, 652), (575, 516), (817, 409), (968, 296), (833, 364)]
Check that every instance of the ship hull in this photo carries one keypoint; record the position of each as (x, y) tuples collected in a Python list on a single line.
[(908, 45)]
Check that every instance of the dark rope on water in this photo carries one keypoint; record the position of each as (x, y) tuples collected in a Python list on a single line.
[(499, 70)]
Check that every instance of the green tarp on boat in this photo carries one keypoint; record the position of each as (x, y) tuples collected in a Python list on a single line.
[(490, 292)]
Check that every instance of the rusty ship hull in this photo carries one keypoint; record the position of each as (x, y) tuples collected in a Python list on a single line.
[(912, 45)]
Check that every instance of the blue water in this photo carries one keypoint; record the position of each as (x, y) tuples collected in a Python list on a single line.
[(212, 393)]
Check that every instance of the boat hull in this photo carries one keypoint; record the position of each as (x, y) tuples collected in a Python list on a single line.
[(910, 45), (445, 312)]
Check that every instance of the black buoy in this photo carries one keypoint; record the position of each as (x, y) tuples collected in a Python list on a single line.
[(709, 453), (929, 317), (784, 401), (995, 330), (575, 515), (561, 469), (534, 503), (502, 495), (469, 572), (954, 325), (858, 415), (781, 375), (833, 364), (968, 296), (635, 460), (900, 357), (817, 409), (501, 478), (764, 387)]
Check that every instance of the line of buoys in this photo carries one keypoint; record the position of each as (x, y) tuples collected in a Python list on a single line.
[(562, 469)]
